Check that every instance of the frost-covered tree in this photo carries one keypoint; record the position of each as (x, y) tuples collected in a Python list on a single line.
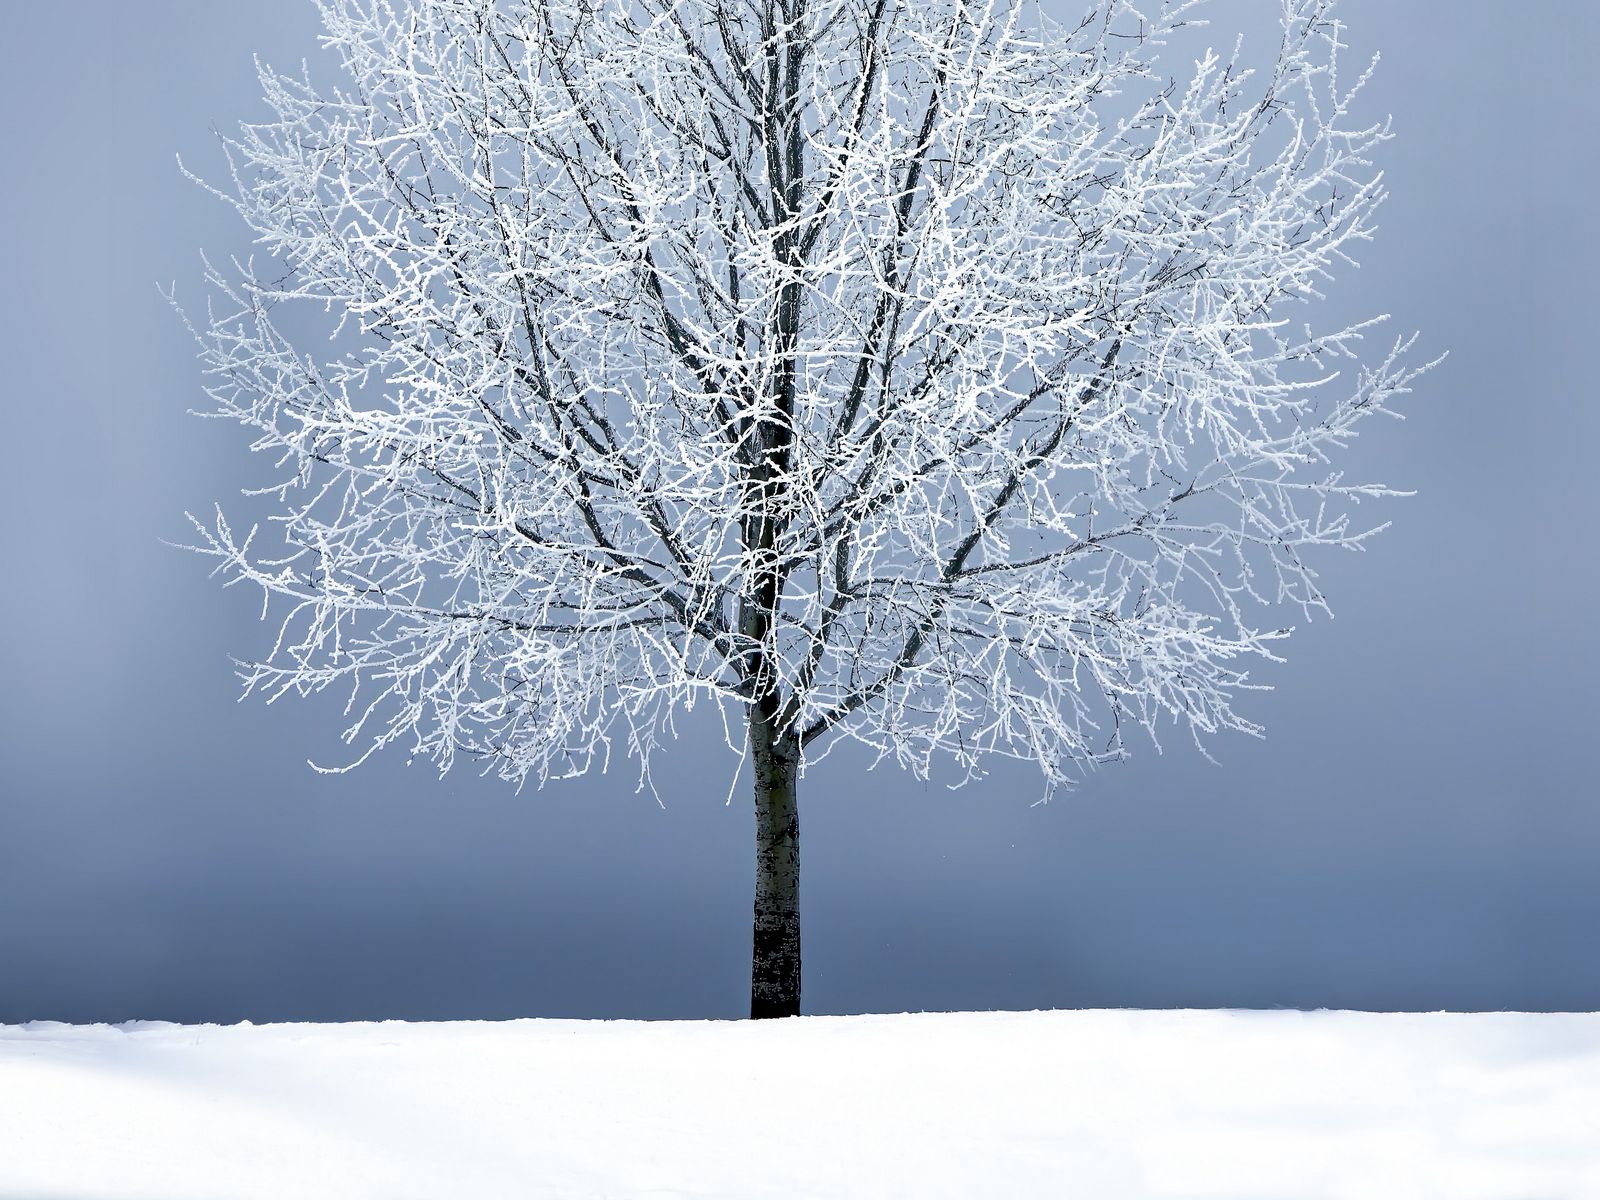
[(919, 372)]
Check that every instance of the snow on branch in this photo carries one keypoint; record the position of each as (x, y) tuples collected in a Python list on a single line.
[(928, 371)]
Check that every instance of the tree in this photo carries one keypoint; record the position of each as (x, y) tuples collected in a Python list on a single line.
[(915, 373)]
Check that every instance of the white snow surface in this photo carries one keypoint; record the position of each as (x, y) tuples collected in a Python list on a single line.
[(1096, 1104)]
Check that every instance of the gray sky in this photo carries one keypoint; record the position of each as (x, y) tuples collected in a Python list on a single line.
[(1420, 830)]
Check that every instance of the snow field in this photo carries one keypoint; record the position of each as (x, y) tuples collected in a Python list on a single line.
[(1103, 1105)]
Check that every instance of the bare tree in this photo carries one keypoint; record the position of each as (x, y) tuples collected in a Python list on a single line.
[(915, 373)]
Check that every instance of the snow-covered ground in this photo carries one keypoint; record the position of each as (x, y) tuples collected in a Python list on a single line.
[(1098, 1105)]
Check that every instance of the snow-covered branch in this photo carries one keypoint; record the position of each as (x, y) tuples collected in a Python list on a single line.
[(929, 374)]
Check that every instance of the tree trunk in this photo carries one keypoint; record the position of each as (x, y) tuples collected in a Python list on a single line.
[(775, 951)]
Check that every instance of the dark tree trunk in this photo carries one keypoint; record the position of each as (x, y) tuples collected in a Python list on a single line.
[(775, 951), (774, 743)]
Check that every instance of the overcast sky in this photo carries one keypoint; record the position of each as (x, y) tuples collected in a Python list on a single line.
[(1421, 829)]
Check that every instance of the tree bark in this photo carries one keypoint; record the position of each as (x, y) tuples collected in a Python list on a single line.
[(775, 951), (774, 744)]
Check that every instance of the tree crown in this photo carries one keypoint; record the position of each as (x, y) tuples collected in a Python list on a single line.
[(916, 373)]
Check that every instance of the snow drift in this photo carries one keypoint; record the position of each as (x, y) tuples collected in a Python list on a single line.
[(1100, 1105)]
